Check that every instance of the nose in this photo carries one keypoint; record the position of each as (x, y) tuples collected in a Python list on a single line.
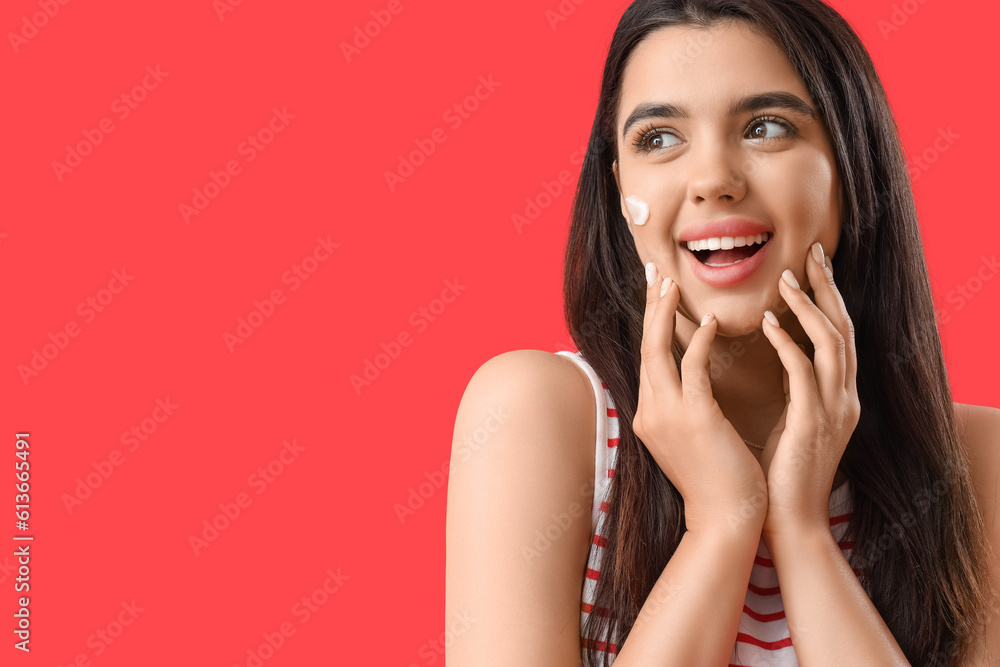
[(717, 173)]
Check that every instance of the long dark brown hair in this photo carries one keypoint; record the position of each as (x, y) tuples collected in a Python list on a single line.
[(916, 526)]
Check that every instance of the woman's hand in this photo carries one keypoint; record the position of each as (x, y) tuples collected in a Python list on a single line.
[(822, 408), (682, 426)]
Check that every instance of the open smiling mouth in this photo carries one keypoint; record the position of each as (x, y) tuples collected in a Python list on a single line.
[(727, 250)]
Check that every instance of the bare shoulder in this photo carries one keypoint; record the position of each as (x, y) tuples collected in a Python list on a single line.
[(518, 516), (533, 370), (978, 415), (979, 432), (547, 391)]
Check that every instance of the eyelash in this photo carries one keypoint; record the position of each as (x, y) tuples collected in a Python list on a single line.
[(651, 131)]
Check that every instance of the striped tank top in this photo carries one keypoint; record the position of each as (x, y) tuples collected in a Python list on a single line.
[(763, 639)]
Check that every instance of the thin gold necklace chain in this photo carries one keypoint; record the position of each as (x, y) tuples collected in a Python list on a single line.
[(755, 446)]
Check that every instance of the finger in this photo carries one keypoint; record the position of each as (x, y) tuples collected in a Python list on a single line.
[(830, 300), (695, 381), (829, 348), (657, 360), (801, 380), (644, 384), (771, 444)]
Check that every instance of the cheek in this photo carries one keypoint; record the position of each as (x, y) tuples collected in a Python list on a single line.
[(801, 193), (656, 195), (661, 191)]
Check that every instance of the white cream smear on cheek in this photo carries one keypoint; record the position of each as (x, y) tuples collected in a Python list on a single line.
[(638, 209)]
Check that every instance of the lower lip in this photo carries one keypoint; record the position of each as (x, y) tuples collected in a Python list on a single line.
[(725, 276)]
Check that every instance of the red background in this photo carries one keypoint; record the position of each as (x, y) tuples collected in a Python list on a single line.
[(323, 175)]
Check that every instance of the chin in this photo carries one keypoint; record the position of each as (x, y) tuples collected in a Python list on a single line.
[(738, 315), (733, 325), (739, 332)]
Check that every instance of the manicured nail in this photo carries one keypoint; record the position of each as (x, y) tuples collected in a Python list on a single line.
[(789, 278), (708, 318), (667, 282), (769, 316), (638, 209), (650, 273), (818, 256)]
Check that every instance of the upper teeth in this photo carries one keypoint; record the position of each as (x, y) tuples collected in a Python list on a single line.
[(727, 242)]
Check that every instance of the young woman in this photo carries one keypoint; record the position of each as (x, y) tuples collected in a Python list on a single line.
[(780, 475)]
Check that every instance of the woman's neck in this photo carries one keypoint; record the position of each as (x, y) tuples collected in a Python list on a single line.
[(746, 376), (747, 379)]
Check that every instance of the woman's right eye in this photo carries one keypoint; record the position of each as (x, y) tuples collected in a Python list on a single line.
[(654, 140)]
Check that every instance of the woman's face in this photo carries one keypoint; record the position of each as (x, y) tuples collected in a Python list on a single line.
[(733, 146)]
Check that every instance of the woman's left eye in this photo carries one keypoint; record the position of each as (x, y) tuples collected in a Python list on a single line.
[(769, 129)]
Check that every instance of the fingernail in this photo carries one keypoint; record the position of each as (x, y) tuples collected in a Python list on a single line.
[(667, 282), (769, 316), (789, 278), (650, 274), (638, 209), (708, 318), (818, 256)]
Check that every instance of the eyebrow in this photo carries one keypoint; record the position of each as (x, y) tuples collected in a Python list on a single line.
[(773, 99)]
